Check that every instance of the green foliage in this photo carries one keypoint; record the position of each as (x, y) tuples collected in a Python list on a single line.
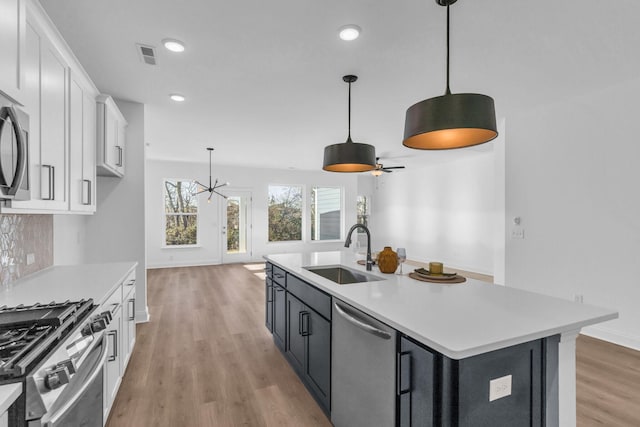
[(233, 225), (181, 230), (179, 199), (285, 213)]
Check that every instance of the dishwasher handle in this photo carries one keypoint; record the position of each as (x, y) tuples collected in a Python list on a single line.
[(360, 324)]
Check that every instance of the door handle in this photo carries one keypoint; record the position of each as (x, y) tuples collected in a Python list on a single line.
[(51, 184), (305, 324), (360, 324), (114, 334), (403, 376), (87, 193)]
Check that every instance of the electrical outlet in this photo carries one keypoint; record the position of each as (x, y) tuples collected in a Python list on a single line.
[(31, 258), (517, 233), (499, 388), (578, 298)]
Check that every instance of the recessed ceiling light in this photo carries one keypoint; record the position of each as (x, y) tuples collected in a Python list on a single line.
[(177, 97), (173, 45), (349, 32)]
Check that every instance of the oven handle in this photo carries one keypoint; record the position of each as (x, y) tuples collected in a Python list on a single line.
[(53, 419)]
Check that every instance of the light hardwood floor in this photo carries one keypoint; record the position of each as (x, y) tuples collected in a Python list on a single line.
[(206, 359)]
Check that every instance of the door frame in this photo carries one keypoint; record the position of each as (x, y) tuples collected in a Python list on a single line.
[(247, 256)]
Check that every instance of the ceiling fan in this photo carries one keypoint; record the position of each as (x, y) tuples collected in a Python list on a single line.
[(381, 168), (211, 188)]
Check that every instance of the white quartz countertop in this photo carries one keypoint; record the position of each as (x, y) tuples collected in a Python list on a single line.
[(8, 394), (457, 320), (68, 282)]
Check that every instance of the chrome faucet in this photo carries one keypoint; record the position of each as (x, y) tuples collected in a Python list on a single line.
[(348, 242)]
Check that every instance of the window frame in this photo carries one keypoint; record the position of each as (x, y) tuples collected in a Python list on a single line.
[(342, 214), (165, 214), (303, 222)]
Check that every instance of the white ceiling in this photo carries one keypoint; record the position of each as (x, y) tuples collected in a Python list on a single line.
[(263, 79)]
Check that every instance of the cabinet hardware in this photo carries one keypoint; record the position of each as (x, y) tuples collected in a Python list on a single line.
[(269, 293), (114, 356), (87, 192), (304, 324), (119, 163), (404, 373), (132, 312), (51, 186)]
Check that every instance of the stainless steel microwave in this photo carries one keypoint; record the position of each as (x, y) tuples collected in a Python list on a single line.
[(14, 152)]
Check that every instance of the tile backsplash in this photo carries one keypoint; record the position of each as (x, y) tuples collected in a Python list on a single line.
[(26, 245)]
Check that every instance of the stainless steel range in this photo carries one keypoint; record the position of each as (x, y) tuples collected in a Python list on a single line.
[(57, 351)]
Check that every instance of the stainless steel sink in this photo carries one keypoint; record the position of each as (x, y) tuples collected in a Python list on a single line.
[(342, 275)]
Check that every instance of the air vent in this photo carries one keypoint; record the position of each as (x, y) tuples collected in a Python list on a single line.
[(147, 54)]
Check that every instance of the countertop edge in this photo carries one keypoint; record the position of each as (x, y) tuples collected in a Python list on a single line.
[(8, 394)]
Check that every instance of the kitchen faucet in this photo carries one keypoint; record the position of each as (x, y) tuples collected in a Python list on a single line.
[(348, 242)]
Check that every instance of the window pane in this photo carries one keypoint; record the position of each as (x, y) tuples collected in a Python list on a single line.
[(285, 213), (236, 224), (326, 213), (180, 197), (181, 230), (362, 209)]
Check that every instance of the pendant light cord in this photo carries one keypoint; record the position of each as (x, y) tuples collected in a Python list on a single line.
[(349, 135), (448, 92), (210, 151)]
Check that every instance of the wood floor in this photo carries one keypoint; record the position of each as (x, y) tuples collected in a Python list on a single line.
[(206, 359)]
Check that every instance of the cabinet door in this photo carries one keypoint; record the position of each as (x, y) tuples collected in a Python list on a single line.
[(121, 143), (53, 146), (296, 341), (279, 316), (128, 327), (268, 309), (317, 331), (89, 152), (416, 385), (12, 32), (82, 139), (112, 369)]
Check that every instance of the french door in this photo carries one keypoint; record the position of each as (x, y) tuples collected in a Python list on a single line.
[(236, 226)]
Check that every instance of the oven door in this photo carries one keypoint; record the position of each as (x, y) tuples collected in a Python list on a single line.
[(80, 404)]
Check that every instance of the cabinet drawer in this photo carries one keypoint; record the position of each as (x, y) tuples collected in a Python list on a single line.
[(112, 303), (310, 295), (279, 276), (268, 269)]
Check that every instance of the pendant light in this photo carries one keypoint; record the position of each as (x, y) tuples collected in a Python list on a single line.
[(349, 156), (212, 188), (452, 120)]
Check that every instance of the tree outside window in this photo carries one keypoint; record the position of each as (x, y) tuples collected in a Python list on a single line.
[(181, 212), (362, 211), (285, 213)]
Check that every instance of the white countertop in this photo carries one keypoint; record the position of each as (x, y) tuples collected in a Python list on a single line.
[(457, 320), (8, 394), (67, 282)]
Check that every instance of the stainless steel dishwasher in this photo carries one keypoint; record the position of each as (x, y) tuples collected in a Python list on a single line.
[(363, 369)]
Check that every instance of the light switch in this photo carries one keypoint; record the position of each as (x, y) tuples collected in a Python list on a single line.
[(499, 388), (517, 232)]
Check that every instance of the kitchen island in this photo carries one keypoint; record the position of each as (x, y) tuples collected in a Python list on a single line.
[(464, 321)]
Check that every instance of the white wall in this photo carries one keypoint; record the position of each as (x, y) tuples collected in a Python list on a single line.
[(69, 239), (255, 180), (116, 232), (572, 176), (442, 211)]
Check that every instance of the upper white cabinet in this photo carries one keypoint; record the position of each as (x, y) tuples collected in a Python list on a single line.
[(12, 28), (111, 137), (82, 146), (60, 100)]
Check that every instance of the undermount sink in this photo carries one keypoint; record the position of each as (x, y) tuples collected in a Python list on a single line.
[(342, 275)]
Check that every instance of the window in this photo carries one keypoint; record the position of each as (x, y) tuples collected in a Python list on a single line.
[(326, 213), (181, 212), (285, 213), (362, 211)]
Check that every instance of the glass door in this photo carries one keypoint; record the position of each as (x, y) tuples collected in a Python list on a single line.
[(236, 226)]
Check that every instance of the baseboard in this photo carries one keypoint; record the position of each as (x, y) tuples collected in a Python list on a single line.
[(142, 316), (615, 337), (182, 264)]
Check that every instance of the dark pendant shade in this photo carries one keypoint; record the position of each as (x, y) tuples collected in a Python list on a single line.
[(349, 157), (450, 121)]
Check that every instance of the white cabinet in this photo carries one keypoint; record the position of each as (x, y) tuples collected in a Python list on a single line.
[(82, 147), (45, 96), (128, 319), (111, 135), (12, 28)]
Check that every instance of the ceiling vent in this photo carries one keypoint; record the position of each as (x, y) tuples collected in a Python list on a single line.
[(147, 54)]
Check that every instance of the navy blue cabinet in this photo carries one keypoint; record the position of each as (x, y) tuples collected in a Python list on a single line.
[(279, 316)]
